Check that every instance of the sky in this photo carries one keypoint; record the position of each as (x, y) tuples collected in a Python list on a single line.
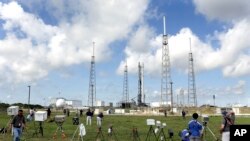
[(47, 44)]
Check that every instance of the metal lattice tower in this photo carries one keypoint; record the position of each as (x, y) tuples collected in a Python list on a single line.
[(192, 99), (92, 79), (139, 98), (142, 84), (125, 96), (181, 97), (166, 94)]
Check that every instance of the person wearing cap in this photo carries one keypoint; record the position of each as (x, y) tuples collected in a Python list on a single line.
[(227, 120), (195, 128), (184, 135), (18, 123)]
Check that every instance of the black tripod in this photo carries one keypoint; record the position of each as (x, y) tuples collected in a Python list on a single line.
[(8, 125), (161, 135), (59, 124), (39, 129), (205, 128), (149, 134), (111, 134), (99, 134), (135, 135)]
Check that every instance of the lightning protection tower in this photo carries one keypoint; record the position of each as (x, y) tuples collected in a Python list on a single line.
[(166, 94), (181, 97), (92, 81), (125, 97), (140, 87), (192, 99)]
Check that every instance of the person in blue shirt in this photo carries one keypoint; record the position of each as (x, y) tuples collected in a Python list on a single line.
[(185, 135), (195, 128)]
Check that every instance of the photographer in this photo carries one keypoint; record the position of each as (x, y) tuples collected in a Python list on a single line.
[(227, 120), (18, 123), (99, 119), (183, 113), (195, 128)]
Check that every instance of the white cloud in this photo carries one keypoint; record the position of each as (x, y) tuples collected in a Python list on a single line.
[(223, 10), (231, 53), (239, 68), (238, 88), (32, 47)]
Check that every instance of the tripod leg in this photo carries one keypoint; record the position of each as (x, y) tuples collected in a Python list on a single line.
[(115, 136), (212, 133), (55, 134), (74, 133), (148, 132)]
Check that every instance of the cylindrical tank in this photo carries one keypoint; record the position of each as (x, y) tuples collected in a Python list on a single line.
[(60, 103)]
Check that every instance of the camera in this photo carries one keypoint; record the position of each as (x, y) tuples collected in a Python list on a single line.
[(205, 120), (158, 123), (150, 122)]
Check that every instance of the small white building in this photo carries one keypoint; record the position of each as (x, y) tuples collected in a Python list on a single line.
[(158, 104), (100, 103), (74, 103)]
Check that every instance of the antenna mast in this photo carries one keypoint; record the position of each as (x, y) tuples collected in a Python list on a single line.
[(192, 98), (166, 95), (125, 98), (92, 81)]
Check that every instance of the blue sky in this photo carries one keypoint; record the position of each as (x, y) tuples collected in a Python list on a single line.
[(48, 45)]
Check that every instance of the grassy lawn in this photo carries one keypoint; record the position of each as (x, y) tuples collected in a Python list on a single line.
[(122, 126)]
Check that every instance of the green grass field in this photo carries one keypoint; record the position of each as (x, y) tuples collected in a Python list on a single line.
[(122, 126)]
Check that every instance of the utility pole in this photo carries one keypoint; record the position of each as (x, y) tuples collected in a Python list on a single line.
[(29, 97), (214, 99)]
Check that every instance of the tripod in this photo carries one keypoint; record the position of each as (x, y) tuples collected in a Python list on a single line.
[(59, 124), (38, 130), (161, 135), (82, 132), (111, 133), (150, 132), (205, 132), (99, 134), (8, 125), (135, 135)]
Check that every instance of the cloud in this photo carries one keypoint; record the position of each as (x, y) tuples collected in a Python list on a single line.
[(232, 51), (223, 10), (240, 67), (239, 88), (33, 46)]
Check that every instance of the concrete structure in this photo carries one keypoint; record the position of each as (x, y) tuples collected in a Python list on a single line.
[(119, 111), (100, 103)]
